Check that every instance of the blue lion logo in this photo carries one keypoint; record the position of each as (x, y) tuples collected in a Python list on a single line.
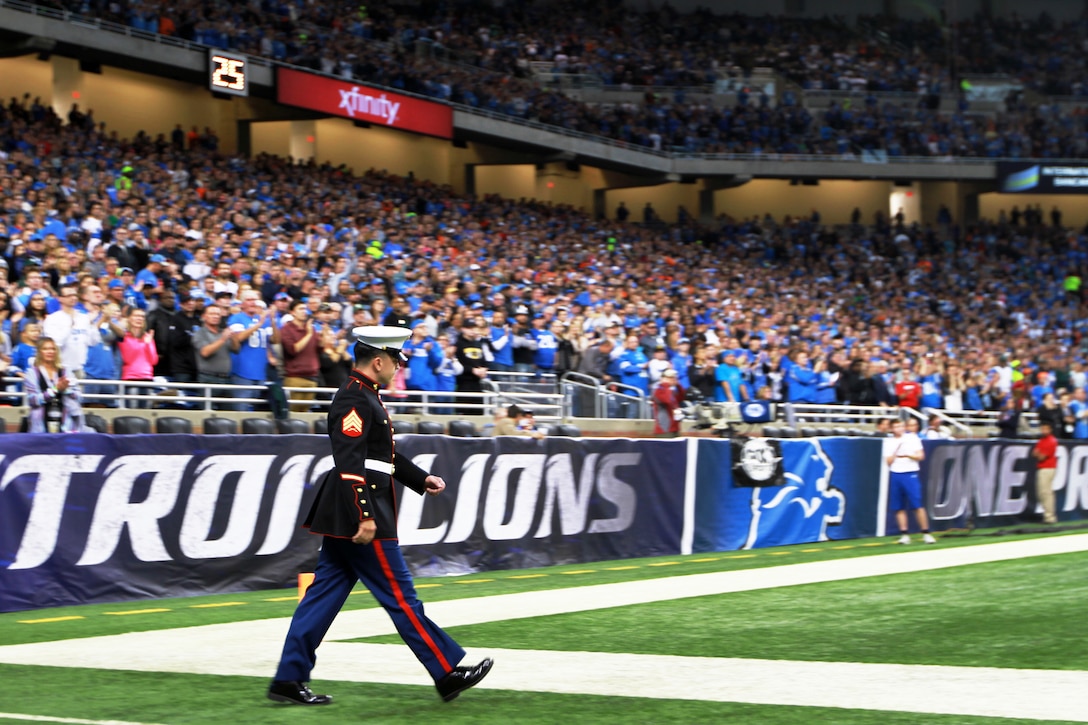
[(801, 509)]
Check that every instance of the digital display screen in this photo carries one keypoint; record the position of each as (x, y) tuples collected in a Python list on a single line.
[(1042, 178), (228, 73)]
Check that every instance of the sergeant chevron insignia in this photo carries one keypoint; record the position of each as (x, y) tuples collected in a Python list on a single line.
[(352, 424)]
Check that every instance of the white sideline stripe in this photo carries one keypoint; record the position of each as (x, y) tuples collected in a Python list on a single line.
[(967, 691), (687, 535), (253, 648), (72, 720)]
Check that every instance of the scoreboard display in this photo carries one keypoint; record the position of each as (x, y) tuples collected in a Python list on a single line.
[(228, 73)]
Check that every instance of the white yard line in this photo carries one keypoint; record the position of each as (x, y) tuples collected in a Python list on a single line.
[(67, 720), (252, 648)]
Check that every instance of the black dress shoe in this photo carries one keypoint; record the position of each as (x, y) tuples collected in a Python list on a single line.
[(462, 678), (296, 693)]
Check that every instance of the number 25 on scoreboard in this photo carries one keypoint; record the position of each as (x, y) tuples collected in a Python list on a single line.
[(227, 73)]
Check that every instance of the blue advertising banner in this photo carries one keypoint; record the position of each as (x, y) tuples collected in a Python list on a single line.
[(830, 491), (97, 518), (992, 483)]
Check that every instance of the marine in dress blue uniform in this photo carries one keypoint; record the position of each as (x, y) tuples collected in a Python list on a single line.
[(356, 512)]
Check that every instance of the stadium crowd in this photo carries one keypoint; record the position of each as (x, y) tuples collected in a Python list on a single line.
[(160, 258), (378, 43)]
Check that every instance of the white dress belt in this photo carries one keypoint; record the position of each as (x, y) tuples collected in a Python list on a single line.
[(372, 464)]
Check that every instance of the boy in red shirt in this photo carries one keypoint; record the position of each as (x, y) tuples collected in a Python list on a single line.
[(1045, 453), (909, 391)]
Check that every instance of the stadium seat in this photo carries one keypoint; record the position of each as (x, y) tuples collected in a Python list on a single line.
[(824, 432), (403, 427), (430, 427), (96, 423), (173, 424), (840, 432), (565, 430), (771, 431), (131, 425), (258, 426), (855, 432), (462, 428), (220, 426), (808, 432), (321, 426), (788, 431), (292, 426)]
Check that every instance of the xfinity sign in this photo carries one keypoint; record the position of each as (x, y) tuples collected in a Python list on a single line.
[(357, 102)]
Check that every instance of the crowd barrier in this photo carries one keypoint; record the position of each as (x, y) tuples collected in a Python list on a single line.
[(97, 518)]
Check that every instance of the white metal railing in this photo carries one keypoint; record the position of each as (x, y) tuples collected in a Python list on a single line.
[(801, 413), (961, 427), (142, 394)]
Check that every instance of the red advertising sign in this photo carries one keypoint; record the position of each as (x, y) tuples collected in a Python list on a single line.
[(362, 103)]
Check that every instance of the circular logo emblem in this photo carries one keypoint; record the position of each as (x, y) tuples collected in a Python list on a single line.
[(754, 410), (757, 459)]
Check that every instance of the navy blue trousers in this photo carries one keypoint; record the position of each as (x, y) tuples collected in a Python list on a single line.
[(381, 567)]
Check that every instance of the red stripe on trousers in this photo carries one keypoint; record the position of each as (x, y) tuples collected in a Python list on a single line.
[(408, 610)]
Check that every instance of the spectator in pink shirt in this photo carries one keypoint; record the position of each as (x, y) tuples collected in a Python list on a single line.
[(138, 353)]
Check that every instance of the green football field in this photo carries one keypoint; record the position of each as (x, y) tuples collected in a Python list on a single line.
[(1019, 614)]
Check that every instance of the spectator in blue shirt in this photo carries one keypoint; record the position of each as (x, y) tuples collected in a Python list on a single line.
[(681, 362), (801, 380), (424, 359), (931, 379), (632, 364), (1042, 386), (547, 345), (27, 347), (502, 342), (253, 332), (826, 382), (730, 381), (134, 297), (150, 277), (1079, 409)]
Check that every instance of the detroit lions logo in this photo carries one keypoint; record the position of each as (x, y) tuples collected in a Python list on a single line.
[(801, 509)]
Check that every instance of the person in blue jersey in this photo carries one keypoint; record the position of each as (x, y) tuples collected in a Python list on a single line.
[(729, 380), (801, 380), (547, 346), (681, 362), (253, 333), (446, 374), (632, 365), (1078, 408), (826, 382), (502, 342), (133, 297), (1043, 385), (424, 358), (932, 381)]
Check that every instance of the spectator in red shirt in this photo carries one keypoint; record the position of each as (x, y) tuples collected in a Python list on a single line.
[(667, 398), (1045, 453), (301, 363), (909, 391)]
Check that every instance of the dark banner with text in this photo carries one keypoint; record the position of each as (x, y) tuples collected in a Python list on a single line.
[(992, 483), (95, 518), (517, 503), (361, 103)]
